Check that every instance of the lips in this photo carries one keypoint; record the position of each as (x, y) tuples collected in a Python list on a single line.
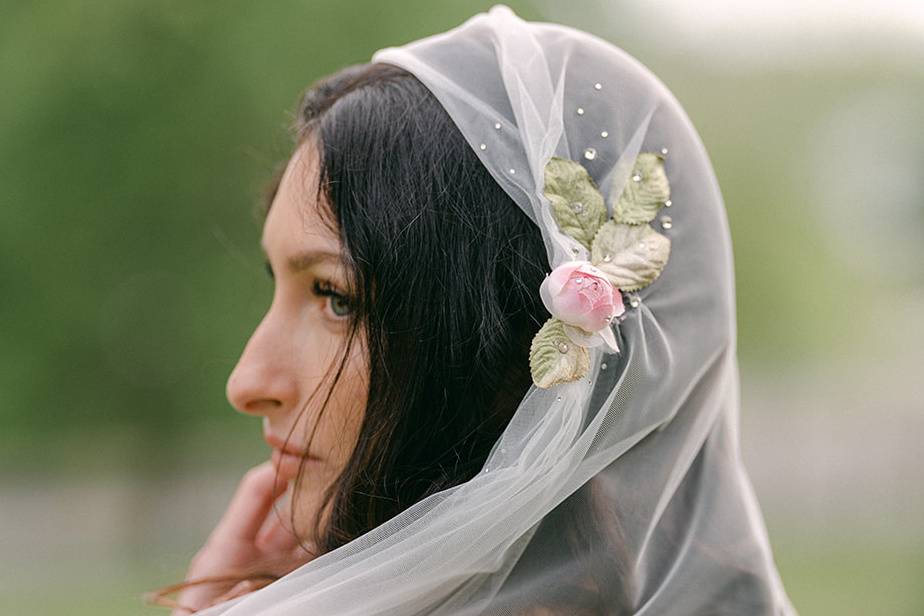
[(286, 458), (286, 464), (277, 443)]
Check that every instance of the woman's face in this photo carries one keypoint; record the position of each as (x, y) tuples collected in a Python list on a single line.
[(299, 341)]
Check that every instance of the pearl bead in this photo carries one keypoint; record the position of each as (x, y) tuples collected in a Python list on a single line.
[(666, 222), (577, 206), (604, 134), (497, 125), (603, 366), (668, 203), (590, 153), (483, 146), (664, 151), (636, 178), (562, 347), (580, 111), (597, 86), (634, 301)]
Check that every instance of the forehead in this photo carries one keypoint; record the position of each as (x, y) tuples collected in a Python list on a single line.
[(293, 221)]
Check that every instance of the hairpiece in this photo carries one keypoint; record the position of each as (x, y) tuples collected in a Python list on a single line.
[(626, 254)]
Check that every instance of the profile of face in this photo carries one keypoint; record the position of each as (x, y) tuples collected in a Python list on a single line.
[(287, 367)]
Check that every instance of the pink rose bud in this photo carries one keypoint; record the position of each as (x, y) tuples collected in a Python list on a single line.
[(580, 295)]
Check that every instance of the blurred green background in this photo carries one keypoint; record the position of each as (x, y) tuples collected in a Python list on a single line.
[(135, 138)]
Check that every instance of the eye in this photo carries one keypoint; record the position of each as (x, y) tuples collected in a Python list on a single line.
[(339, 304)]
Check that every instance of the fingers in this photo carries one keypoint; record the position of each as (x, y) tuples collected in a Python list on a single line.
[(277, 534), (249, 506), (241, 588)]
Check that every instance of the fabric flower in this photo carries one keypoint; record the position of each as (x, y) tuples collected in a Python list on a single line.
[(581, 296), (626, 254)]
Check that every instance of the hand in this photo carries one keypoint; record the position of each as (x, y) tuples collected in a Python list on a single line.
[(249, 531)]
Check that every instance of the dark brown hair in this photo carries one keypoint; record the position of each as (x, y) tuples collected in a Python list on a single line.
[(444, 269)]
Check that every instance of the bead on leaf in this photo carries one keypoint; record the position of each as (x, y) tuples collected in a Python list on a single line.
[(550, 365), (567, 182), (640, 200), (637, 254)]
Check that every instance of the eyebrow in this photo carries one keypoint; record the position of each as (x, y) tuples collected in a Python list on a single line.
[(304, 260)]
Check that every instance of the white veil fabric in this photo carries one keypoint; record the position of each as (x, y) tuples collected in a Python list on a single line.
[(622, 492)]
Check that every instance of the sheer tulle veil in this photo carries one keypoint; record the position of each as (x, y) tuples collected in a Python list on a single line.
[(619, 492)]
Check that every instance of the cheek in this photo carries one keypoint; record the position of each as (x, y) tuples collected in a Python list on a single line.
[(316, 350), (337, 429), (334, 439), (341, 424)]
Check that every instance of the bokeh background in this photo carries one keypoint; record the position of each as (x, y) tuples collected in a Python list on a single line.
[(135, 138)]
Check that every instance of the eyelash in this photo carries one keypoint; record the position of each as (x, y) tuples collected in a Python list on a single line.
[(323, 288)]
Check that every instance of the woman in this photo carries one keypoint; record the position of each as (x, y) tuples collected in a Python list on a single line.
[(497, 377)]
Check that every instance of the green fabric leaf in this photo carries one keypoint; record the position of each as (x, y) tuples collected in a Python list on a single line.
[(548, 364), (631, 256), (577, 204), (640, 200)]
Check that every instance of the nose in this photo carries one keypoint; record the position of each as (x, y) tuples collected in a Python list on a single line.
[(262, 382)]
